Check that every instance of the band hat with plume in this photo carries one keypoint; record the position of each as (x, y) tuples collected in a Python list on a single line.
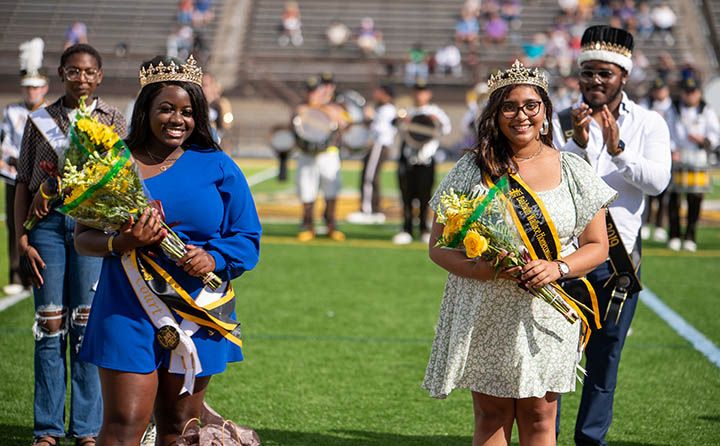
[(607, 44), (190, 71), (31, 58), (517, 74)]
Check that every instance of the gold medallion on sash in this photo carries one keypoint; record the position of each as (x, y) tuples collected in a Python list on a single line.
[(168, 337)]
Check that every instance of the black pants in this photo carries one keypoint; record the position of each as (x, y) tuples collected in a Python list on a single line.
[(15, 275), (416, 182), (370, 179), (694, 201), (660, 209)]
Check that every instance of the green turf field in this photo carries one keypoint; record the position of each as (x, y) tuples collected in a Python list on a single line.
[(336, 339)]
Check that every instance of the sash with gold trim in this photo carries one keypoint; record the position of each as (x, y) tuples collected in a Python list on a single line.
[(157, 291), (540, 237)]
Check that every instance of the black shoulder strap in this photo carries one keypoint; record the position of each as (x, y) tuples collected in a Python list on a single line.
[(566, 123)]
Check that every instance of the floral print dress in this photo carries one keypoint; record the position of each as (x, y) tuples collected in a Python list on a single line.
[(496, 339)]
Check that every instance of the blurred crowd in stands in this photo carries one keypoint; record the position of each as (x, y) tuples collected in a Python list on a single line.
[(187, 36), (488, 24)]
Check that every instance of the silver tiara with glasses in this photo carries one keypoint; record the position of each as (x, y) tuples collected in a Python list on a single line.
[(517, 74)]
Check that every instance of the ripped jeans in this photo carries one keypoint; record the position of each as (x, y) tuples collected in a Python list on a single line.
[(62, 307)]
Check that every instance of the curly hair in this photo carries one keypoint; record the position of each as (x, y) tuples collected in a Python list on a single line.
[(492, 150), (140, 131)]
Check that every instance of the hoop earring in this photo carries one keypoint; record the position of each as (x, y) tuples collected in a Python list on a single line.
[(545, 127), (494, 132)]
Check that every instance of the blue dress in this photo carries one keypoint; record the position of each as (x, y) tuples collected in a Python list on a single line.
[(206, 194)]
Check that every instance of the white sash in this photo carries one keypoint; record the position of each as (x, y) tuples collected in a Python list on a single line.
[(184, 358), (49, 130)]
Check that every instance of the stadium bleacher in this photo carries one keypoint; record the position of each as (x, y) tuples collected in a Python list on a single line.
[(141, 25)]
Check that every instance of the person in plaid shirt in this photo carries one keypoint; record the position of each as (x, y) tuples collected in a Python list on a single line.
[(63, 280)]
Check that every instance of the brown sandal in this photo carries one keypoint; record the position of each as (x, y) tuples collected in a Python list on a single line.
[(85, 441), (46, 440)]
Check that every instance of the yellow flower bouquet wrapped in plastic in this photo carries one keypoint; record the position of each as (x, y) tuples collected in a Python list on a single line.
[(101, 185), (481, 225)]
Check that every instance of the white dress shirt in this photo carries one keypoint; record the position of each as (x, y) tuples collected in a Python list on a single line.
[(427, 151), (382, 127), (642, 168)]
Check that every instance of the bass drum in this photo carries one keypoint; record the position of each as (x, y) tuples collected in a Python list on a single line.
[(282, 139), (420, 130), (314, 129), (356, 138)]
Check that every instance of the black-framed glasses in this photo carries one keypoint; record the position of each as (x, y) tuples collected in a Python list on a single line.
[(75, 74), (589, 75), (510, 109)]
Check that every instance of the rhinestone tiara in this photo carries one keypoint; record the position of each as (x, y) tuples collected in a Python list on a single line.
[(190, 71), (517, 74)]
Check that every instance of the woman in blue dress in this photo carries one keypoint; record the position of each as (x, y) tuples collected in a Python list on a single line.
[(204, 195)]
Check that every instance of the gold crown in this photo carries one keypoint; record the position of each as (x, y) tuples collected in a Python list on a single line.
[(517, 74), (605, 46), (190, 71)]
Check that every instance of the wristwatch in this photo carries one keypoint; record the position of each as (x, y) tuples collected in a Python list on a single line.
[(563, 268), (620, 148)]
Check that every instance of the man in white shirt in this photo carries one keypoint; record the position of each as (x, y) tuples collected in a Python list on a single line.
[(383, 132), (416, 165), (695, 130), (629, 147), (34, 88)]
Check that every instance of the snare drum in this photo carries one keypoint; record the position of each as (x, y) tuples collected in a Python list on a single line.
[(692, 173), (314, 129)]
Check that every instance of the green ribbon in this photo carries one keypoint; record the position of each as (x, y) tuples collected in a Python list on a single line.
[(477, 213), (119, 164)]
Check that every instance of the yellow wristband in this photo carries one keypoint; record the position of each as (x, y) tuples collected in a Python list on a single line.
[(110, 245), (44, 195)]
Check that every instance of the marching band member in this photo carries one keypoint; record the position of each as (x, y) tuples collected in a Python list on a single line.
[(34, 88), (658, 101), (383, 134), (319, 168), (64, 280), (695, 130), (416, 166), (629, 147)]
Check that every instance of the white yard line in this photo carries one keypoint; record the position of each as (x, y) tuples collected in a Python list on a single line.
[(677, 323), (9, 301), (262, 176)]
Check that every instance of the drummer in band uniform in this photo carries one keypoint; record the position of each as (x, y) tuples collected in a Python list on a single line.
[(320, 169), (34, 88), (658, 101), (383, 132), (416, 166), (695, 130)]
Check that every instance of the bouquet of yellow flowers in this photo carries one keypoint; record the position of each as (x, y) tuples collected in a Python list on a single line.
[(483, 227), (101, 187)]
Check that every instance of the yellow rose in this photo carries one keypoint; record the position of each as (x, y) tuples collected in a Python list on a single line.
[(475, 244)]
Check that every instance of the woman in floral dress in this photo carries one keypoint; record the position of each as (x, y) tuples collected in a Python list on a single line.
[(514, 352)]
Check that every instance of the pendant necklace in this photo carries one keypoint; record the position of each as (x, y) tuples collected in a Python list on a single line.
[(164, 163), (525, 158)]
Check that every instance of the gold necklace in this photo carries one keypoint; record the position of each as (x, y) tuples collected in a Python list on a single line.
[(525, 158)]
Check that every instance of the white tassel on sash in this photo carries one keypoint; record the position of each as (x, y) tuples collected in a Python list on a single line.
[(184, 358)]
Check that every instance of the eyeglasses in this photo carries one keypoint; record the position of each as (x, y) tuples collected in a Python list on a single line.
[(589, 75), (509, 109), (74, 74)]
